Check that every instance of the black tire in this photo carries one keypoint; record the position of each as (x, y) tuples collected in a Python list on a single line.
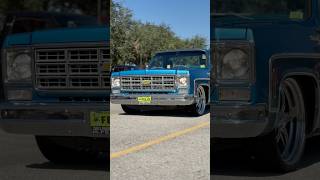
[(199, 108), (129, 109), (60, 154), (284, 147)]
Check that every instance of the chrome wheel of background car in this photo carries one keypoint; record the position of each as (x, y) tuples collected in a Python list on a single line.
[(290, 134), (201, 102)]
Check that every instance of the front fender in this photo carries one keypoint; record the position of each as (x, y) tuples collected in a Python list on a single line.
[(202, 82), (284, 66)]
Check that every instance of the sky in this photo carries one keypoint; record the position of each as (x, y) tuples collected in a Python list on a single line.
[(186, 18)]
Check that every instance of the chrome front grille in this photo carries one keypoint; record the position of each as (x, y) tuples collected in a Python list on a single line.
[(148, 83), (82, 68)]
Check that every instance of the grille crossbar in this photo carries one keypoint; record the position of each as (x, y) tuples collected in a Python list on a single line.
[(83, 68), (148, 83)]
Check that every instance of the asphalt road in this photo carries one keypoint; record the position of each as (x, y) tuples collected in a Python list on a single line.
[(20, 159), (160, 145), (179, 149), (237, 164)]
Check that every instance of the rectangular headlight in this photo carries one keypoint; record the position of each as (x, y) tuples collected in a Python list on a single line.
[(182, 81), (115, 82)]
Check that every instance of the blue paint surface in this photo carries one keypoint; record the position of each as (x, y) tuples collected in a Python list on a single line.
[(272, 38), (62, 36), (67, 35)]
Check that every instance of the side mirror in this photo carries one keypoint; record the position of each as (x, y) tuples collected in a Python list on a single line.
[(203, 61), (203, 57)]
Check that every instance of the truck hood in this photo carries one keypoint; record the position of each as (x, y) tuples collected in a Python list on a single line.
[(235, 21), (65, 35), (151, 72)]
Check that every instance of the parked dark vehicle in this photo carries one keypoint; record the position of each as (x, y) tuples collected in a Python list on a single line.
[(265, 76), (124, 68)]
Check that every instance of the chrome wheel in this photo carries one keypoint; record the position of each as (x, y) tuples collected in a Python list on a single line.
[(283, 148), (201, 101), (290, 134)]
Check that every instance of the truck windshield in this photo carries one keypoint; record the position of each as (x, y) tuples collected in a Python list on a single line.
[(179, 60), (263, 9), (76, 20)]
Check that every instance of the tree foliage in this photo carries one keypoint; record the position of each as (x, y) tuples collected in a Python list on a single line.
[(87, 7), (136, 42)]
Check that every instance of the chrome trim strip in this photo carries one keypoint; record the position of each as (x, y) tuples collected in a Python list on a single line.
[(157, 99)]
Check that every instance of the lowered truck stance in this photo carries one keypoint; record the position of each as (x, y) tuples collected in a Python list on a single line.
[(173, 79), (265, 77)]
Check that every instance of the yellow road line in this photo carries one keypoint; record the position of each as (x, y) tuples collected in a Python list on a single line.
[(158, 140)]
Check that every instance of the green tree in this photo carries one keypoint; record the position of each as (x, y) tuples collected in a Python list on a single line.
[(196, 42), (121, 26), (88, 7), (136, 42)]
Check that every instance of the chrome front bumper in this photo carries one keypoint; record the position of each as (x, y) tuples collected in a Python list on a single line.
[(157, 99), (239, 121), (51, 119)]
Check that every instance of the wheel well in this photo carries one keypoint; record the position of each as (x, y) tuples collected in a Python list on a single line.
[(206, 90), (308, 86)]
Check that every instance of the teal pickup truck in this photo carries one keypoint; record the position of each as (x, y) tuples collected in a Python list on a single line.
[(177, 78), (55, 85), (266, 77)]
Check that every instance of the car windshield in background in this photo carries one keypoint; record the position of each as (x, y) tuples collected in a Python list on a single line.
[(262, 9), (179, 60)]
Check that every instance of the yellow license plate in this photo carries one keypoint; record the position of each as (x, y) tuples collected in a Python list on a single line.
[(144, 100), (100, 119)]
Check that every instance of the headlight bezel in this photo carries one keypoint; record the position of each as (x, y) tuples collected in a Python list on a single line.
[(220, 50), (113, 79), (183, 81), (16, 52)]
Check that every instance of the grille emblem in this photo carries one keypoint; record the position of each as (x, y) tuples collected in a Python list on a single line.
[(146, 82)]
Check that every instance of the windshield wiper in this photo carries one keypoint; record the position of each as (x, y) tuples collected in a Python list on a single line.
[(231, 14)]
